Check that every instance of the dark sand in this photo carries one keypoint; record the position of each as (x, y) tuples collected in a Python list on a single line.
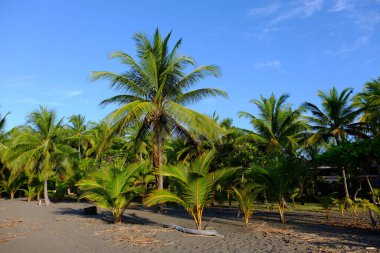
[(61, 227)]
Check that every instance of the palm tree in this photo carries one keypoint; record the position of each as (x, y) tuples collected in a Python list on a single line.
[(369, 102), (195, 186), (278, 127), (246, 196), (100, 139), (78, 132), (2, 122), (155, 90), (39, 147), (112, 187), (277, 177), (11, 184), (2, 133), (335, 121)]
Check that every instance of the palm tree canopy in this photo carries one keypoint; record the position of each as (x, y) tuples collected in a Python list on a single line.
[(77, 127), (369, 102), (278, 127), (111, 187), (39, 145), (195, 184), (3, 135), (336, 119), (155, 89)]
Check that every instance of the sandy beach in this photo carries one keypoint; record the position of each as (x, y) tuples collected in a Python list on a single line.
[(62, 227)]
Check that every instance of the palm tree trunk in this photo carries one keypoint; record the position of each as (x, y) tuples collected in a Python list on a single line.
[(302, 184), (246, 220), (79, 155), (157, 161), (46, 196), (345, 183), (199, 223), (371, 189), (117, 216), (281, 209), (157, 157), (12, 193)]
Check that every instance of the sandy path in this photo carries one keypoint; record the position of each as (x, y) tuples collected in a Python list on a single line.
[(61, 227)]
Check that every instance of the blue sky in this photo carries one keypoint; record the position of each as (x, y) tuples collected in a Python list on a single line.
[(48, 49)]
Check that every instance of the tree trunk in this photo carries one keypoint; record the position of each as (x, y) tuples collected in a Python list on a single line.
[(46, 196), (265, 197), (246, 220), (302, 184), (79, 155), (359, 189), (117, 218), (157, 157), (157, 161), (371, 189), (12, 193), (199, 223), (372, 218), (281, 209), (345, 183)]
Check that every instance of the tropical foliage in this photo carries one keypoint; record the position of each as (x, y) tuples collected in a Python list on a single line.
[(39, 147), (195, 184), (327, 154), (112, 187), (154, 91)]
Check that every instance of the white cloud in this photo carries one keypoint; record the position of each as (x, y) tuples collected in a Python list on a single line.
[(17, 81), (302, 9), (75, 93), (341, 5), (275, 64), (264, 11), (345, 49), (290, 10)]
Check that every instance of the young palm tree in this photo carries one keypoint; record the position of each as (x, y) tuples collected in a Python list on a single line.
[(112, 187), (195, 185), (39, 147), (278, 127), (369, 102), (155, 89), (246, 198), (335, 121), (276, 178), (11, 184), (30, 192)]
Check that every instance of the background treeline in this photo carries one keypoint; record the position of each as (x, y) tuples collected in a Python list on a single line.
[(153, 149)]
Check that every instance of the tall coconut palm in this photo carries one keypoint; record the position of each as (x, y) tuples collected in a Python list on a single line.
[(39, 147), (195, 186), (78, 132), (100, 139), (278, 127), (369, 102), (154, 89), (335, 121)]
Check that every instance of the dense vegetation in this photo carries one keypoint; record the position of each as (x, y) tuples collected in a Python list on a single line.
[(153, 149)]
